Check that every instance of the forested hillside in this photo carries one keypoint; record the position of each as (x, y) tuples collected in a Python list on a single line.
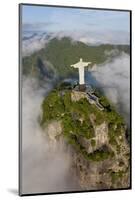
[(61, 53)]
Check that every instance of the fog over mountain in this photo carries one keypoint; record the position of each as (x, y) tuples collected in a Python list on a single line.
[(46, 167), (114, 78), (36, 40)]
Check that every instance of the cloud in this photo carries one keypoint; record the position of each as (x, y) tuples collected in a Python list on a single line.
[(94, 37), (38, 26), (114, 77), (45, 167), (34, 41), (104, 37)]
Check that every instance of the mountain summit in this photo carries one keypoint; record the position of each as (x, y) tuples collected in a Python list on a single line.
[(100, 152)]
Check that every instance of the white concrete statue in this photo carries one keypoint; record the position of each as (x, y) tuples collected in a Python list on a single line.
[(80, 65)]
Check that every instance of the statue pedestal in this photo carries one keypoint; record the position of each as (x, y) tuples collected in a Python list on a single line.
[(82, 87)]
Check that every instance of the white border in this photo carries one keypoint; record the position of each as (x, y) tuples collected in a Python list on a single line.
[(9, 98)]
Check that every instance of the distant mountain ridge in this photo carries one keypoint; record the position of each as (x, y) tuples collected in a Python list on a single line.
[(61, 53)]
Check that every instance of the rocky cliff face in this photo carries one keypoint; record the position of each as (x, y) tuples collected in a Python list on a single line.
[(108, 173), (100, 152)]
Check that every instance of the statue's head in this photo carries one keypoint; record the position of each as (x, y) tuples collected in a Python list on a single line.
[(80, 59)]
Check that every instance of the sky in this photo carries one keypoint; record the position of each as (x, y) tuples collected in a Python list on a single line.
[(56, 19)]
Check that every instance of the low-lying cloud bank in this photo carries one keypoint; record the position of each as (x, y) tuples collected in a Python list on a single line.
[(114, 77), (45, 167), (33, 41)]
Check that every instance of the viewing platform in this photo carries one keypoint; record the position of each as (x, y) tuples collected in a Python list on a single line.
[(76, 95)]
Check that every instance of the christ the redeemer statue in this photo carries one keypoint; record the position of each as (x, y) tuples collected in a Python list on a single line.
[(80, 65)]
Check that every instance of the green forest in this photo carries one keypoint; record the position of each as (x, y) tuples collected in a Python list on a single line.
[(59, 106)]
